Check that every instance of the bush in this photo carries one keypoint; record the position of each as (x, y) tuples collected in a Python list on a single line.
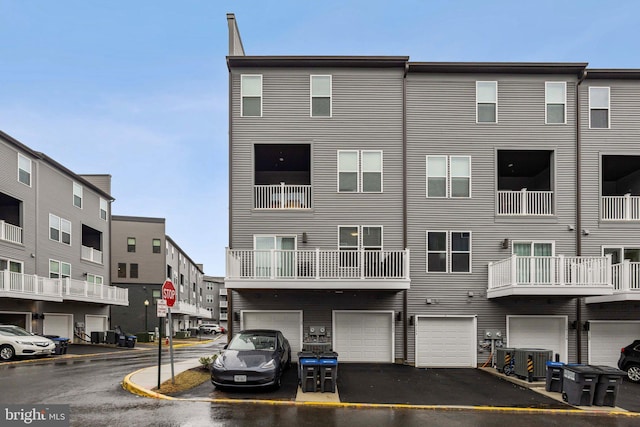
[(207, 361)]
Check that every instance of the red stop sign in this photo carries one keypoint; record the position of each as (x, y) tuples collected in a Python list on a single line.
[(169, 293)]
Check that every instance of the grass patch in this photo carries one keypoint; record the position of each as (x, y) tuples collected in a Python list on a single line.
[(184, 381)]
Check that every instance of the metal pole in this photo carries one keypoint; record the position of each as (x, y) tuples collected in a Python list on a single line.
[(159, 348)]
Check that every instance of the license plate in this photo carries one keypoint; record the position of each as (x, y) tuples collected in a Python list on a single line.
[(240, 378)]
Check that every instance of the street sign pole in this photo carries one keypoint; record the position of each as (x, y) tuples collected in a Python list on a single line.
[(161, 312), (173, 379), (169, 294)]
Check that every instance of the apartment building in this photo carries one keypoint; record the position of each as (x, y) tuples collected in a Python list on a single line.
[(422, 212), (143, 258), (215, 299), (54, 245)]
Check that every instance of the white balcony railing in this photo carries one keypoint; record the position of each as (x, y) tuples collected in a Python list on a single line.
[(224, 304), (524, 202), (550, 275), (91, 254), (282, 196), (621, 208), (182, 307), (223, 292), (10, 232), (203, 312), (317, 264), (29, 286), (626, 276), (223, 316)]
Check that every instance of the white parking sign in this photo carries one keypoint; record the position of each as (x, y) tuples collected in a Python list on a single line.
[(162, 308)]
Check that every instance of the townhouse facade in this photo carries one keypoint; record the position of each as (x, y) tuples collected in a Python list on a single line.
[(143, 258), (215, 299), (425, 213), (54, 245)]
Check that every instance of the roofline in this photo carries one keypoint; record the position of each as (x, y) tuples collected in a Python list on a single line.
[(173, 242), (39, 155), (611, 73), (317, 61), (137, 219), (499, 67)]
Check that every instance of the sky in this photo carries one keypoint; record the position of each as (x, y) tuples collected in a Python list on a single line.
[(138, 89)]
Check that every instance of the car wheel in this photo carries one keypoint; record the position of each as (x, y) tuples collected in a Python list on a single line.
[(6, 352), (288, 364), (278, 383), (633, 373)]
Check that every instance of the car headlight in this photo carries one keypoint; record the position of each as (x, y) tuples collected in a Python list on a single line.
[(218, 362), (270, 364), (24, 342)]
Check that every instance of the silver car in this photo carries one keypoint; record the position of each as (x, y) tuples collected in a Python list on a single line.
[(15, 341)]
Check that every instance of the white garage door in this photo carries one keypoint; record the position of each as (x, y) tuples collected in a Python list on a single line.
[(363, 336), (545, 332), (95, 323), (607, 338), (58, 324), (446, 342), (287, 322)]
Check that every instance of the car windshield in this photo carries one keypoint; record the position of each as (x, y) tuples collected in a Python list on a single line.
[(253, 341), (13, 331)]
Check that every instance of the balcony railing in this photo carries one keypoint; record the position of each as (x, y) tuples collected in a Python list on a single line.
[(182, 307), (10, 232), (223, 316), (91, 254), (223, 291), (626, 283), (282, 196), (546, 275), (621, 208), (224, 304), (524, 202), (29, 286), (308, 268)]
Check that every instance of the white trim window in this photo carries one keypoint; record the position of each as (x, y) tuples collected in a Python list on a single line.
[(555, 99), (352, 238), (77, 195), (59, 229), (209, 299), (449, 251), (448, 177), (103, 209), (360, 171), (486, 102), (96, 280), (24, 170), (59, 270), (251, 95), (321, 99), (622, 253), (7, 264), (599, 107)]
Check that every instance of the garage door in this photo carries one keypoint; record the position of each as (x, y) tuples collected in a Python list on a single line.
[(288, 322), (95, 323), (363, 336), (607, 338), (18, 319), (446, 342), (58, 324), (546, 332)]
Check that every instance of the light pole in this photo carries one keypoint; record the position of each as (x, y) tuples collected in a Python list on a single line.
[(146, 309)]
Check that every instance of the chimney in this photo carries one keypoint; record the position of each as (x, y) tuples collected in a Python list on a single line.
[(235, 42)]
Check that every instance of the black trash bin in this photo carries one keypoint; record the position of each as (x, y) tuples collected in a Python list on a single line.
[(554, 376), (131, 341), (579, 384), (607, 386), (328, 375), (122, 340), (111, 337), (308, 371)]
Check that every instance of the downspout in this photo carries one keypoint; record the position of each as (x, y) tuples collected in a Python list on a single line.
[(578, 216), (229, 291), (405, 321)]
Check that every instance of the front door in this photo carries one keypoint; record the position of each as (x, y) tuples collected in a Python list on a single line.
[(275, 256)]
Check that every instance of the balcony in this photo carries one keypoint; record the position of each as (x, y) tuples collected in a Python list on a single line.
[(620, 208), (29, 286), (550, 276), (282, 196), (223, 292), (524, 202), (10, 233), (91, 254), (626, 284), (182, 307), (224, 304), (223, 316), (204, 313), (317, 269)]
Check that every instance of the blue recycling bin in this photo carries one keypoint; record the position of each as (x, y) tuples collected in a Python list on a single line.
[(328, 362), (62, 343), (308, 371), (554, 376)]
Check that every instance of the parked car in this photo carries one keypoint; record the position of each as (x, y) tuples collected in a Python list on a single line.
[(15, 341), (211, 328), (253, 358), (630, 361)]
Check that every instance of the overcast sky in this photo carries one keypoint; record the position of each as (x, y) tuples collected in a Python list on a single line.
[(138, 88)]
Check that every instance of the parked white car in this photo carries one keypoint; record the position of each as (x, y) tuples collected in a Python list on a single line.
[(211, 328), (15, 341)]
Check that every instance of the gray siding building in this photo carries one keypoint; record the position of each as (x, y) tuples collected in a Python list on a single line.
[(423, 213), (143, 258), (54, 245)]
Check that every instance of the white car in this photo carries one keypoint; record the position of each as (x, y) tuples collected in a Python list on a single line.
[(15, 341), (211, 328)]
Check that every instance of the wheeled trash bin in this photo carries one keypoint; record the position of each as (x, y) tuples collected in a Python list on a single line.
[(308, 370), (328, 374), (607, 387), (579, 384)]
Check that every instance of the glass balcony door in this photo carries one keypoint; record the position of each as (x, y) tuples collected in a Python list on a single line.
[(275, 252), (534, 262)]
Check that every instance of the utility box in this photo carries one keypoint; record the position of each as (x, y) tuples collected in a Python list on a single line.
[(504, 355), (539, 357)]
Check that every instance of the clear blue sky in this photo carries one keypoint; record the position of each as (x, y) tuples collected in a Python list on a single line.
[(138, 88)]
